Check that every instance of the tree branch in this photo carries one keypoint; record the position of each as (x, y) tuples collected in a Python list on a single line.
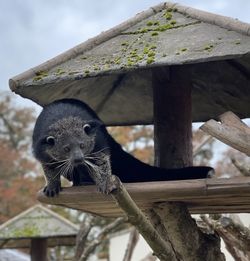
[(82, 235), (198, 148), (163, 250), (235, 236), (244, 170), (11, 131), (132, 241), (98, 240), (192, 243)]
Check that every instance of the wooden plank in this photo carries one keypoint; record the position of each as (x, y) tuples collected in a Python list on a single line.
[(202, 196), (232, 131)]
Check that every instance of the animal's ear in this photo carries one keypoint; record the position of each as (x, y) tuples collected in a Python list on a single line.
[(90, 127)]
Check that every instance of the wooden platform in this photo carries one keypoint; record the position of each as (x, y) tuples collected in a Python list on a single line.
[(202, 196)]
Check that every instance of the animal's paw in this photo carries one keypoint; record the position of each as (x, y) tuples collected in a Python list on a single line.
[(52, 190), (106, 186), (103, 187), (211, 173)]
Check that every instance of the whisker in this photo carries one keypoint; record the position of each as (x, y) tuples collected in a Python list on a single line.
[(88, 167), (95, 169), (67, 169), (62, 164), (61, 170), (96, 152), (93, 158), (55, 162), (91, 164)]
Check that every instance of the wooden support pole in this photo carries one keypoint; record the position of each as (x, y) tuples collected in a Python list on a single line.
[(172, 118), (173, 148), (38, 250)]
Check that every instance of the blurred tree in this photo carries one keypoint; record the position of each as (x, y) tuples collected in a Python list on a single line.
[(233, 163), (137, 140), (203, 146), (18, 170)]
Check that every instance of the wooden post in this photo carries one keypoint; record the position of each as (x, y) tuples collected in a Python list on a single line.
[(173, 148), (172, 118), (38, 250)]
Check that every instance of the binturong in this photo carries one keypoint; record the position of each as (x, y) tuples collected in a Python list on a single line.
[(71, 141)]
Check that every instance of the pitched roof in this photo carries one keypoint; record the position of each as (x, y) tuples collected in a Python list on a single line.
[(112, 72), (37, 222)]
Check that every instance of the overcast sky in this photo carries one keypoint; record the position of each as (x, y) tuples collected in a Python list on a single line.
[(33, 31)]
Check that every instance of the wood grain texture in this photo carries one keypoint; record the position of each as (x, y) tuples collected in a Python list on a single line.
[(201, 196)]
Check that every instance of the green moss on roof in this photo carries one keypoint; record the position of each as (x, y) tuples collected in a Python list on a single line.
[(168, 15), (26, 231), (40, 75), (209, 47)]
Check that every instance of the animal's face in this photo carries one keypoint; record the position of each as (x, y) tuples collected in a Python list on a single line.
[(74, 141), (73, 145)]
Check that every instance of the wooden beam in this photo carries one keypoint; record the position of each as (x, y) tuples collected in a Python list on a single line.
[(201, 196), (231, 131)]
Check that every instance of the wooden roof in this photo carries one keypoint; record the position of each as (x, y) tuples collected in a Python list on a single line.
[(112, 72), (37, 222), (201, 196)]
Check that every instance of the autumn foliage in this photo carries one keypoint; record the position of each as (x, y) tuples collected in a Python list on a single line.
[(137, 140), (18, 170)]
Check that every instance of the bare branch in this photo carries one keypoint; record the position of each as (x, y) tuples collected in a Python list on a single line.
[(162, 249), (132, 241), (102, 234), (11, 131), (244, 170), (235, 236), (82, 235), (198, 148)]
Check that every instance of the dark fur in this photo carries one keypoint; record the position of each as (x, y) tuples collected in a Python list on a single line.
[(123, 165)]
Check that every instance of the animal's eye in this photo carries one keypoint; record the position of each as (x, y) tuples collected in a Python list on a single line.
[(87, 128), (66, 149), (82, 145), (50, 140)]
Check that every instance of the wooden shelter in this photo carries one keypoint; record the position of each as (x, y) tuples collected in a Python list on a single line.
[(118, 73), (37, 228), (169, 66)]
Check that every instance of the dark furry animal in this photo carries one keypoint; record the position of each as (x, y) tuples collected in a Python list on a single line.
[(70, 140)]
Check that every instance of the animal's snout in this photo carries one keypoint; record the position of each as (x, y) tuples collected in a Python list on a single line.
[(78, 158)]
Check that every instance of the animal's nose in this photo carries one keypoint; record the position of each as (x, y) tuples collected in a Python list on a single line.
[(78, 158)]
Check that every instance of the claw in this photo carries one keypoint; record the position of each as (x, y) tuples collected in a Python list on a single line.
[(51, 192)]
